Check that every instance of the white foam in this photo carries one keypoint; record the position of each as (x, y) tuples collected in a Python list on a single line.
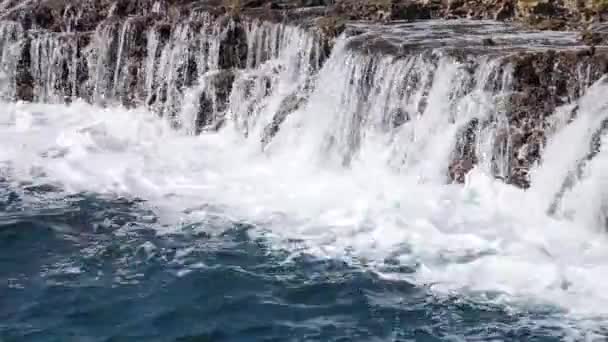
[(340, 179), (484, 236)]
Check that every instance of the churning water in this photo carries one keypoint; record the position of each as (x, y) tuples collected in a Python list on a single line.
[(116, 224)]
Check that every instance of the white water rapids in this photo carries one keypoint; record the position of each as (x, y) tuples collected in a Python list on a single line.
[(335, 183)]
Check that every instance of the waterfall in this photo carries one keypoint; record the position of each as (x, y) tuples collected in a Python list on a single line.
[(477, 168), (376, 107), (429, 113), (570, 171), (11, 40)]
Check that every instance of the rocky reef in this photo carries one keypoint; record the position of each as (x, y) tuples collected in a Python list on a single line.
[(208, 59)]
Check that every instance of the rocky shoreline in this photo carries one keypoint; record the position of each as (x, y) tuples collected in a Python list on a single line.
[(151, 52)]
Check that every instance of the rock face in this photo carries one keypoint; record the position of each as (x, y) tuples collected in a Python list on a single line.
[(252, 64), (543, 82), (530, 80), (213, 99), (542, 14), (135, 52), (383, 9)]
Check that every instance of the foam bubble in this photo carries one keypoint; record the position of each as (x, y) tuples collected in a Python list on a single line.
[(482, 237)]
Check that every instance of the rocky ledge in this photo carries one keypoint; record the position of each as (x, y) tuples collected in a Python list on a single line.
[(163, 53), (545, 71)]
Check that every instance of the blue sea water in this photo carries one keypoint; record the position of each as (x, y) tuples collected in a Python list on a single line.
[(82, 268)]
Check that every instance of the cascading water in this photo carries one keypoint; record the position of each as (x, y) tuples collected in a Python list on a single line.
[(343, 157)]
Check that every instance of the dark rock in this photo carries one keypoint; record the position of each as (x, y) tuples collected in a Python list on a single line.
[(213, 100), (459, 168), (586, 52), (593, 38), (24, 82), (409, 10), (488, 42), (290, 104), (542, 82), (254, 3), (233, 46), (465, 157), (399, 117), (550, 24), (505, 11), (382, 10), (331, 26)]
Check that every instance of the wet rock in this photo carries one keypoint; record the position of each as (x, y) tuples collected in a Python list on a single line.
[(290, 104), (409, 10), (596, 34), (366, 10), (24, 82), (233, 46), (213, 100), (255, 3), (331, 26), (596, 140), (551, 24), (504, 11), (592, 38), (458, 170), (542, 82), (476, 9), (382, 10), (464, 157), (586, 52), (488, 42), (399, 117), (575, 175), (94, 74)]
